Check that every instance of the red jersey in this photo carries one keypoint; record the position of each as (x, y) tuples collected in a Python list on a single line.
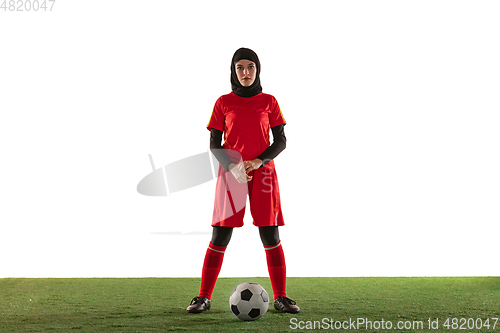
[(245, 122)]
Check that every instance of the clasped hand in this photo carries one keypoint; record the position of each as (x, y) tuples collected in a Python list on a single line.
[(240, 171)]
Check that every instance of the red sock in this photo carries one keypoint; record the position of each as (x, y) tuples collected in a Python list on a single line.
[(277, 268), (211, 269)]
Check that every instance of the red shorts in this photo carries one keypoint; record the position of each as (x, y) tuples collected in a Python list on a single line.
[(263, 193)]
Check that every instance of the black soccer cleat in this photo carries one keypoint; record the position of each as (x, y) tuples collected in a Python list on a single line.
[(198, 304), (283, 303)]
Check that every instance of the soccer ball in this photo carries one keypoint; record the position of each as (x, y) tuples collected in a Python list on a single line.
[(249, 301)]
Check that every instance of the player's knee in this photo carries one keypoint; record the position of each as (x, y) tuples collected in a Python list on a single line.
[(269, 235), (221, 235)]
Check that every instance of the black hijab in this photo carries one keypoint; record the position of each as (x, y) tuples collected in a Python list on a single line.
[(238, 89)]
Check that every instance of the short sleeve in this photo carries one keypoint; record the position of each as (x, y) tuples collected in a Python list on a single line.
[(217, 118), (276, 117)]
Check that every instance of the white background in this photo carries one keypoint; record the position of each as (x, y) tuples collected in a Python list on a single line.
[(392, 158)]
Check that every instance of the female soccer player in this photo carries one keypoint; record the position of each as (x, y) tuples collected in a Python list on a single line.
[(246, 165)]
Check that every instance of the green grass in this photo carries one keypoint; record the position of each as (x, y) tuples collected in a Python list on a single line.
[(158, 304)]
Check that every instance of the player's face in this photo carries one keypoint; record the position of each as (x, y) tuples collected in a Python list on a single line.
[(246, 71)]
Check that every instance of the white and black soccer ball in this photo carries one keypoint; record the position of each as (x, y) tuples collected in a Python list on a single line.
[(249, 301)]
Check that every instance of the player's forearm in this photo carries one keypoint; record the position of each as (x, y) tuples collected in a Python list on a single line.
[(271, 152), (278, 145), (218, 151)]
